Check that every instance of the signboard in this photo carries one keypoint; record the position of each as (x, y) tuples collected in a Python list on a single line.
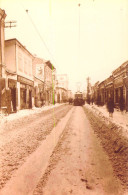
[(25, 80), (40, 71)]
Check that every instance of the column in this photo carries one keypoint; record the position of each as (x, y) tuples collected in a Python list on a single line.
[(18, 88)]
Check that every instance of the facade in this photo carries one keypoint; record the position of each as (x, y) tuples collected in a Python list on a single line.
[(19, 75), (61, 95), (95, 92), (38, 73), (61, 88), (102, 95), (49, 80), (115, 86), (120, 76), (62, 80), (109, 88)]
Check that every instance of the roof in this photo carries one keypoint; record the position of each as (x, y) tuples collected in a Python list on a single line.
[(61, 88), (50, 65), (17, 42)]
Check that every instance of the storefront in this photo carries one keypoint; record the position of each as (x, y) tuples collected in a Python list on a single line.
[(39, 92), (12, 84), (26, 91), (126, 86), (119, 90)]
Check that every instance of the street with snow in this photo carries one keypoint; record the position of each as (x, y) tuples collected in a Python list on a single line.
[(62, 150)]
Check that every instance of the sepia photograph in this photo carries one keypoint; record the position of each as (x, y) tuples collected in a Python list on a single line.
[(63, 97)]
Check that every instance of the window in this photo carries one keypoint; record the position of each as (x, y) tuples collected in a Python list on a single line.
[(20, 62)]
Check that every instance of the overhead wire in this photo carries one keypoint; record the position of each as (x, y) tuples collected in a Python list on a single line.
[(37, 31)]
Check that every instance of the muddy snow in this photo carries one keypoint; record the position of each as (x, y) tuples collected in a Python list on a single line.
[(89, 156), (18, 139), (79, 164)]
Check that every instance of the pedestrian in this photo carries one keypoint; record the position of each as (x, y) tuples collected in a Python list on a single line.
[(110, 107)]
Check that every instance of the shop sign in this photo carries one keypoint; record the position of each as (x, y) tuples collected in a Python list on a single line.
[(22, 86), (25, 81)]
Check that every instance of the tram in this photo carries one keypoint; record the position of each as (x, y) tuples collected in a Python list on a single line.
[(78, 99)]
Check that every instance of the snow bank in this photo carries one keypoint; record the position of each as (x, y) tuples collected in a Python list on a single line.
[(26, 112), (114, 139)]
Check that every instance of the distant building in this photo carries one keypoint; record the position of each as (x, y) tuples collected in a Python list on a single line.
[(70, 94), (38, 73), (115, 86), (49, 80), (61, 88), (120, 83)]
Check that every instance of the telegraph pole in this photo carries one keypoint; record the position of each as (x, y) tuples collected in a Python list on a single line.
[(10, 24)]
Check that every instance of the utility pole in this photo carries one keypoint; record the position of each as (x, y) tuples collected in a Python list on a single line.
[(10, 24)]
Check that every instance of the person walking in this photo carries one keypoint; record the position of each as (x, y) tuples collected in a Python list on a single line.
[(110, 107)]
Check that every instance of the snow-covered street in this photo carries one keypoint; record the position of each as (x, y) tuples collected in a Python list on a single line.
[(19, 138), (61, 150), (79, 164)]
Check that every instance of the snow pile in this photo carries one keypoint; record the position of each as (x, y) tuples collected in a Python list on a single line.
[(114, 139), (26, 112), (120, 119)]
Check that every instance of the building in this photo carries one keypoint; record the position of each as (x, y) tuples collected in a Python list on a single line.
[(120, 83), (62, 80), (95, 93), (61, 88), (109, 88), (19, 74), (38, 73), (102, 94), (70, 94), (115, 86), (49, 80)]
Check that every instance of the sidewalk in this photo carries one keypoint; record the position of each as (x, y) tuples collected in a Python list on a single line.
[(25, 112), (119, 118)]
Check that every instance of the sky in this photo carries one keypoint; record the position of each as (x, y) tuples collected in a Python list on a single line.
[(90, 40)]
